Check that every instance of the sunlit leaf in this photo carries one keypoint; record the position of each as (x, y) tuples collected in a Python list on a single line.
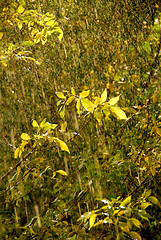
[(1, 35), (61, 144), (78, 106), (54, 173), (18, 170), (60, 95), (62, 113), (19, 25), (70, 99), (63, 126), (87, 104), (35, 124), (113, 101), (84, 94), (62, 172), (16, 153), (25, 136), (103, 96), (20, 9), (51, 23), (126, 201), (92, 220), (118, 113), (73, 91), (60, 35), (27, 43), (98, 115)]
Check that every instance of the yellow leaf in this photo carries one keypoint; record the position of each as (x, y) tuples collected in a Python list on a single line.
[(73, 91), (62, 172), (62, 113), (118, 113), (54, 173), (155, 97), (61, 144), (25, 136), (1, 35), (135, 235), (20, 25), (70, 99), (20, 9), (136, 222), (78, 105), (37, 38), (60, 95), (18, 170), (35, 124), (84, 94), (88, 105), (154, 201), (158, 131), (16, 153), (98, 115), (92, 220), (113, 101), (63, 126), (126, 201), (51, 23), (103, 96)]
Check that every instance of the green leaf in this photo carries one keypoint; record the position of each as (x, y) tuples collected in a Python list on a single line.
[(113, 101), (84, 94), (135, 235), (118, 113), (62, 172), (92, 220), (126, 201), (35, 124), (103, 96), (60, 95), (25, 136), (20, 9), (61, 144), (154, 201)]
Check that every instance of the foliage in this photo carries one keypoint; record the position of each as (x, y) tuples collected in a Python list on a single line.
[(80, 120)]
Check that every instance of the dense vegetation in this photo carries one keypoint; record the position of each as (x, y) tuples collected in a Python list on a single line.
[(80, 119)]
